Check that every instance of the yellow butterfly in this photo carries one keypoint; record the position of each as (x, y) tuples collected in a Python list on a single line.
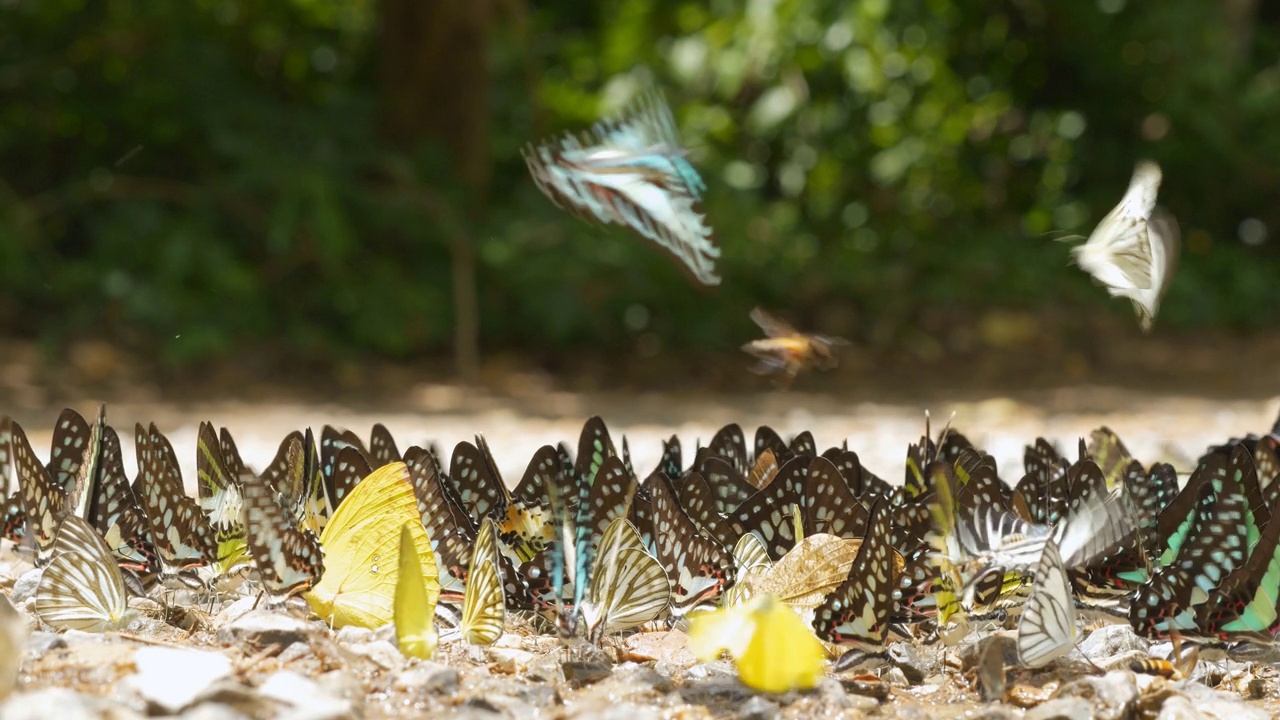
[(774, 649), (360, 544), (415, 606)]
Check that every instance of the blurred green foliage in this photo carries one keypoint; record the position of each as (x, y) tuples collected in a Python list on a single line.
[(191, 177)]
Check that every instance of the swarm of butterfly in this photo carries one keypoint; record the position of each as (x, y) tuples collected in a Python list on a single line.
[(586, 547)]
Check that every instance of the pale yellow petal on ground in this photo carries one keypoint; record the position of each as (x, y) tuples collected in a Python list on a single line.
[(361, 546)]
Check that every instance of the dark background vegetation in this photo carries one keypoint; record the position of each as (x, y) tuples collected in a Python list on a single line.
[(341, 179)]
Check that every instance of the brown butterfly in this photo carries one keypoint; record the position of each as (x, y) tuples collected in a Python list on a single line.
[(787, 350)]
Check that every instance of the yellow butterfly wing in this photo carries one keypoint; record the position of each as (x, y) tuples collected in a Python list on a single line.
[(783, 653), (415, 605), (361, 548)]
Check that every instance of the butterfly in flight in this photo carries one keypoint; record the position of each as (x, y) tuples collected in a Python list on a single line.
[(1134, 250), (787, 351), (633, 173)]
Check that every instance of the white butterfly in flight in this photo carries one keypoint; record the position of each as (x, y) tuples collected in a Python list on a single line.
[(1134, 250)]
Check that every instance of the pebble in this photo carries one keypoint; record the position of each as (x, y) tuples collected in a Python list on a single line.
[(381, 653), (1114, 646), (614, 711), (172, 678), (428, 677), (59, 703), (40, 643), (1072, 708), (307, 698), (905, 658), (261, 629), (642, 677), (213, 711), (509, 660), (969, 654), (1220, 705), (1112, 695), (295, 651), (24, 588), (1179, 708), (581, 673), (350, 635), (235, 611)]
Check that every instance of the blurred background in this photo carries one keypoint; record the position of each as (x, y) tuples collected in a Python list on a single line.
[(239, 197)]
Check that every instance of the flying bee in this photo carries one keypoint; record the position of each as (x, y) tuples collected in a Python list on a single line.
[(787, 351)]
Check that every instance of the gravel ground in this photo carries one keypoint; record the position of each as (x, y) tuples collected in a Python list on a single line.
[(364, 676)]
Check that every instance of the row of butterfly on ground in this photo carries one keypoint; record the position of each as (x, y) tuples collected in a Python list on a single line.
[(586, 547)]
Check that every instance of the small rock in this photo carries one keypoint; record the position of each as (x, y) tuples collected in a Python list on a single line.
[(1073, 708), (1114, 646), (261, 629), (172, 678), (1111, 695), (641, 677), (866, 687), (24, 588), (757, 708), (509, 660), (489, 705), (307, 698), (213, 711), (382, 653), (295, 651), (40, 643), (343, 684), (905, 658), (350, 635), (671, 647), (994, 712), (895, 677), (386, 632), (617, 711), (49, 703), (1220, 705), (1179, 708), (579, 674), (543, 696), (235, 611), (429, 677)]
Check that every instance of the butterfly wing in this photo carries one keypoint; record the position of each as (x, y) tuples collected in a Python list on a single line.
[(82, 588), (414, 607), (1047, 629), (361, 545)]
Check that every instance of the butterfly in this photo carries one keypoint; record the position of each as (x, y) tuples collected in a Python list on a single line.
[(342, 449), (699, 568), (361, 547), (1134, 250), (1047, 629), (44, 502), (288, 558), (117, 514), (82, 587), (1246, 603), (484, 609), (629, 586), (858, 612), (787, 351), (75, 458), (180, 532), (633, 173), (295, 473), (448, 525), (773, 649), (219, 490), (413, 610)]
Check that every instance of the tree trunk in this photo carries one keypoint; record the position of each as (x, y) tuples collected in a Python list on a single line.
[(435, 79)]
